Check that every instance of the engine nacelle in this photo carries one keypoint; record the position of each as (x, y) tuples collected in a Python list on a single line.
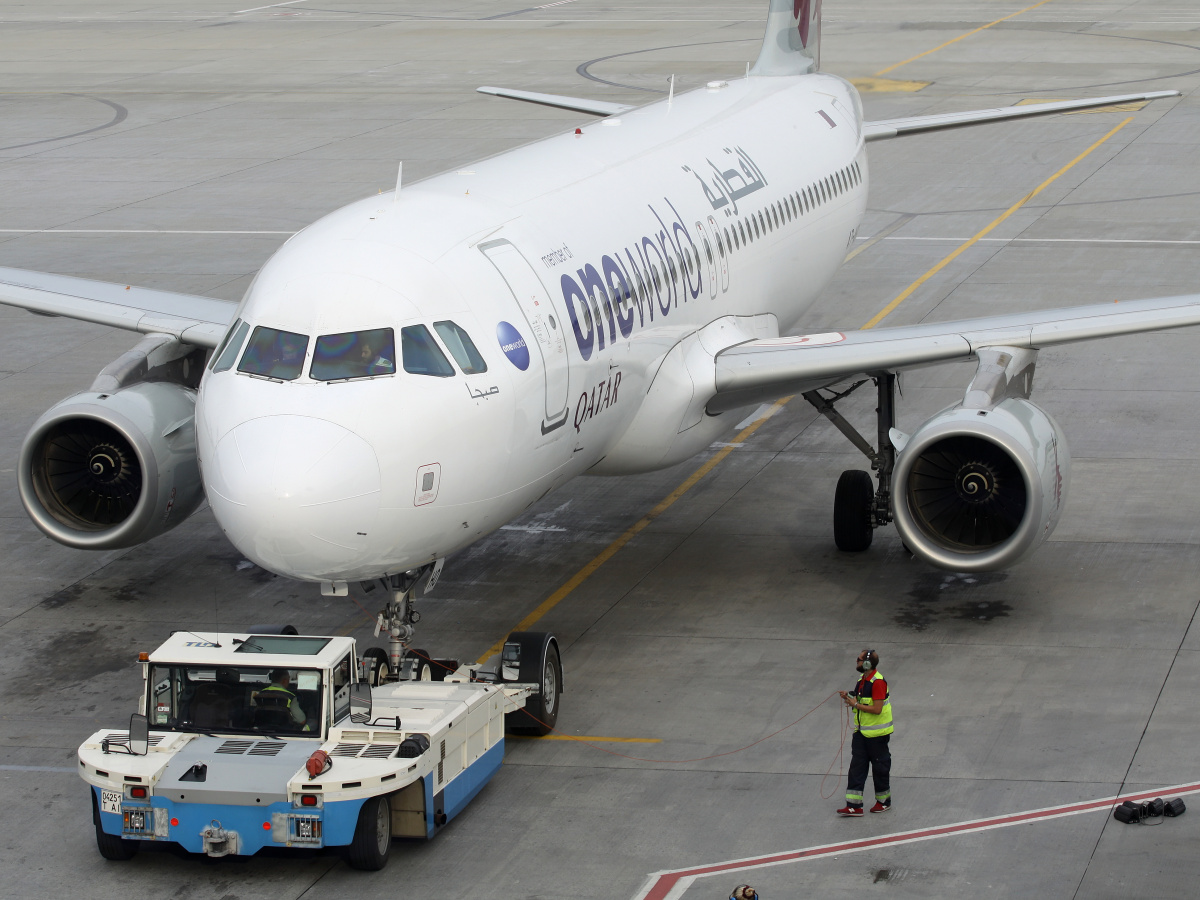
[(100, 471), (974, 490)]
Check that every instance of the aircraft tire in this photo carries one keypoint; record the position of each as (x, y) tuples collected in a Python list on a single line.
[(380, 668), (109, 845), (422, 667), (368, 851), (852, 511)]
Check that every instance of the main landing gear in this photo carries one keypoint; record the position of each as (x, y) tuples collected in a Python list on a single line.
[(858, 506)]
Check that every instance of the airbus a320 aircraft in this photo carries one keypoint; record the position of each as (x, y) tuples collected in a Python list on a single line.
[(413, 371)]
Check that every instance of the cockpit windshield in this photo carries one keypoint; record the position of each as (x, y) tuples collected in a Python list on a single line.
[(272, 353), (235, 699), (354, 354)]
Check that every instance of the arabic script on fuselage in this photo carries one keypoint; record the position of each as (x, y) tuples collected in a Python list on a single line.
[(723, 188)]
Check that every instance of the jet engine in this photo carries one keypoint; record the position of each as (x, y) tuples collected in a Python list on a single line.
[(103, 470), (975, 490)]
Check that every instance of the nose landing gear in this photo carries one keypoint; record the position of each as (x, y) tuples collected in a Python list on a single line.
[(398, 620)]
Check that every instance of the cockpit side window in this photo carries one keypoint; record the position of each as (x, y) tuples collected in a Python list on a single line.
[(224, 359), (461, 347), (421, 353), (354, 354), (274, 354)]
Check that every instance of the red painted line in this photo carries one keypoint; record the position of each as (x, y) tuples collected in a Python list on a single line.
[(664, 883)]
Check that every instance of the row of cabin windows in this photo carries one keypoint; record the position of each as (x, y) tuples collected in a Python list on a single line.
[(280, 355), (791, 207), (742, 232)]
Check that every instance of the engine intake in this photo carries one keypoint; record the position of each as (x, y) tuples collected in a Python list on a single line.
[(976, 490), (103, 471)]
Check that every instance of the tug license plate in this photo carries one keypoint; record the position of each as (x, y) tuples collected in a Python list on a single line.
[(110, 801)]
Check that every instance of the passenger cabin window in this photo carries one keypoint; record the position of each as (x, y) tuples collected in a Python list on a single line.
[(354, 354), (421, 353), (461, 347), (272, 353), (232, 346)]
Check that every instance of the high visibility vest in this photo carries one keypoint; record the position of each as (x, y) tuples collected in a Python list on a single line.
[(873, 724), (292, 699)]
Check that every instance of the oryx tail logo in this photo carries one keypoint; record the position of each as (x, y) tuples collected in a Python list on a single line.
[(805, 11)]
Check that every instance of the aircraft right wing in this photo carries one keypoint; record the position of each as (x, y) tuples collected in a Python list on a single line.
[(890, 128), (761, 370), (578, 104), (200, 321)]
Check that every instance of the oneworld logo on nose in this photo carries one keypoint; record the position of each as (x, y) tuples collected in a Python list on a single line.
[(513, 345)]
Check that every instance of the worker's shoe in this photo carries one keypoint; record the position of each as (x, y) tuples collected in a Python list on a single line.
[(881, 807), (850, 811)]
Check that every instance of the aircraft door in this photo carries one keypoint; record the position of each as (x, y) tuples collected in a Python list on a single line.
[(710, 262), (543, 321), (722, 258)]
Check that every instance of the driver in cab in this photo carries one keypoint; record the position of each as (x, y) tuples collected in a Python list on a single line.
[(280, 696)]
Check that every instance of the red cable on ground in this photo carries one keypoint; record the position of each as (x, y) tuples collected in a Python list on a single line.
[(844, 728)]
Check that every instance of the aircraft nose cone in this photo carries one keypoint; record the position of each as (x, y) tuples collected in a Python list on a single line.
[(297, 495)]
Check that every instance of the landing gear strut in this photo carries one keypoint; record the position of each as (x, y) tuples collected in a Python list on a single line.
[(398, 619), (857, 510)]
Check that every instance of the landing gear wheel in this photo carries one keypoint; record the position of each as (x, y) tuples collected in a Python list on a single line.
[(852, 504), (110, 845), (540, 663), (378, 667), (372, 836), (422, 668)]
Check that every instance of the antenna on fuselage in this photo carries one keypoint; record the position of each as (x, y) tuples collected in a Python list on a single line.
[(399, 178), (671, 92)]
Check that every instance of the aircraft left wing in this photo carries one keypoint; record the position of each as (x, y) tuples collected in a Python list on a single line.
[(200, 321), (890, 128), (760, 370)]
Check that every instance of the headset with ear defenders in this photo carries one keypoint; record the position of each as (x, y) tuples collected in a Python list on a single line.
[(870, 660)]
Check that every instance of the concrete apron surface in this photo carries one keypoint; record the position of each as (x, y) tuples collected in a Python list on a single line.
[(178, 145)]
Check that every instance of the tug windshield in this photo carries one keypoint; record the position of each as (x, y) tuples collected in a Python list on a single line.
[(236, 700)]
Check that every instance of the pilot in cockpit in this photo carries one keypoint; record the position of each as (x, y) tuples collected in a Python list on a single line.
[(372, 362)]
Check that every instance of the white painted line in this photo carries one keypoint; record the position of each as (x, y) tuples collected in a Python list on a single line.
[(671, 884), (8, 768), (557, 3), (125, 231), (268, 6), (763, 412), (532, 529), (1043, 240)]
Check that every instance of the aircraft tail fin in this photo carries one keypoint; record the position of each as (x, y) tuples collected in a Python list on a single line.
[(792, 45)]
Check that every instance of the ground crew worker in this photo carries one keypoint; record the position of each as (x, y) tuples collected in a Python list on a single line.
[(281, 684), (744, 892), (869, 746)]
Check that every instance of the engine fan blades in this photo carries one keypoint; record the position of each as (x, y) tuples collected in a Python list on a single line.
[(91, 473), (968, 492)]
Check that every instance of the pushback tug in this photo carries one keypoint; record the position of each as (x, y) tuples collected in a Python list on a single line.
[(222, 760)]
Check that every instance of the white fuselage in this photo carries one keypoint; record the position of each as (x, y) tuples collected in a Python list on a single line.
[(618, 243)]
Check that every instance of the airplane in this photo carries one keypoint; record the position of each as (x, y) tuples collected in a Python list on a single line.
[(415, 370)]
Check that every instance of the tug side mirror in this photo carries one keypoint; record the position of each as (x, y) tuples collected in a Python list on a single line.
[(139, 735), (360, 703)]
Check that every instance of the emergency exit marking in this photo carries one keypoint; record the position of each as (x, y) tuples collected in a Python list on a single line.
[(429, 478)]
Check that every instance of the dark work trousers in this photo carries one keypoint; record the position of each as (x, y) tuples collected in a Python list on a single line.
[(869, 752)]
